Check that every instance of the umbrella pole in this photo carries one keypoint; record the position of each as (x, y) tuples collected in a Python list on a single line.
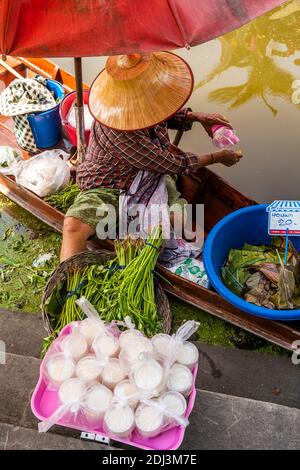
[(79, 110)]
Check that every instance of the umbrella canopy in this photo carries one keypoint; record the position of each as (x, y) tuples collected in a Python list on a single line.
[(78, 28)]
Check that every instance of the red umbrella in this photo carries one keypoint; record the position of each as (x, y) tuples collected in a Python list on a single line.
[(79, 28)]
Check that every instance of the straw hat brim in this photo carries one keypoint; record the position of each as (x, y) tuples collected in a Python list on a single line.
[(143, 95)]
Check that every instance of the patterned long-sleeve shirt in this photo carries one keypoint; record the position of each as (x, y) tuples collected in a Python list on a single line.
[(114, 157)]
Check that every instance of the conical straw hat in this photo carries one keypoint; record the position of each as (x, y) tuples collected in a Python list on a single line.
[(138, 91)]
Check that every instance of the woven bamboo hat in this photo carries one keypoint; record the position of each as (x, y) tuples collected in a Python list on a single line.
[(139, 91)]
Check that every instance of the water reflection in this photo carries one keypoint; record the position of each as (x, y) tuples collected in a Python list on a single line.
[(269, 49)]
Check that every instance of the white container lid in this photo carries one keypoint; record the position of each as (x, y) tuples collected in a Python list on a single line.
[(98, 399), (148, 375), (160, 343), (89, 368), (71, 391), (149, 420), (59, 368), (188, 354), (174, 402), (126, 389), (75, 345), (180, 379), (106, 345), (119, 420)]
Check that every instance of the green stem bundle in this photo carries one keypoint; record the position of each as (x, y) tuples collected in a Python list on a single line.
[(124, 286), (136, 296)]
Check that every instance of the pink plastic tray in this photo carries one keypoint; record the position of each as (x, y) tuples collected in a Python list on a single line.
[(45, 401)]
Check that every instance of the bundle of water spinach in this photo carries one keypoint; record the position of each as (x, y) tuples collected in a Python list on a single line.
[(124, 286), (63, 199)]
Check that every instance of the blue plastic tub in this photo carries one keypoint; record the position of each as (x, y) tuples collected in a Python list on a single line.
[(245, 225), (46, 126)]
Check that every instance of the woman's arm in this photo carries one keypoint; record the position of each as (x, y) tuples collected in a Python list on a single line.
[(137, 149), (208, 120)]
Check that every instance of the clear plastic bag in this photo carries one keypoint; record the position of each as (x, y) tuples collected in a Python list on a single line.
[(119, 420), (153, 417), (148, 375), (45, 173), (88, 118), (113, 373), (129, 335), (174, 402), (135, 349), (71, 398), (93, 329), (57, 368), (9, 158), (97, 401), (149, 419), (224, 137), (160, 344), (127, 390), (89, 369), (74, 344), (179, 379), (171, 349), (187, 355), (106, 345)]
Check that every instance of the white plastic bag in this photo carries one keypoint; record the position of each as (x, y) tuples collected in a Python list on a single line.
[(129, 335), (57, 368), (92, 326), (154, 416), (9, 157), (71, 396), (97, 332), (88, 118), (180, 356), (177, 348), (45, 173), (119, 420), (97, 401), (148, 374)]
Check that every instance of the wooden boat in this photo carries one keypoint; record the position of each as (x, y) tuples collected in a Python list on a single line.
[(219, 197)]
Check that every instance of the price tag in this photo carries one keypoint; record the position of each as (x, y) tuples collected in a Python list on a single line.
[(284, 216)]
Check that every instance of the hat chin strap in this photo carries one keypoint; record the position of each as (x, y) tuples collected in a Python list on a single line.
[(128, 61)]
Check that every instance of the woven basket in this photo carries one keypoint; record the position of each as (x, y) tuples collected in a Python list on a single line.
[(87, 258)]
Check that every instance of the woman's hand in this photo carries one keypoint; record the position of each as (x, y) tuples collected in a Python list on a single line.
[(209, 120), (227, 157)]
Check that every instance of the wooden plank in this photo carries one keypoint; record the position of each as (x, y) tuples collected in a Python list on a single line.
[(210, 302), (49, 69), (31, 203)]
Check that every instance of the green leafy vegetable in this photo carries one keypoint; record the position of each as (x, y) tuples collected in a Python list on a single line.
[(65, 198)]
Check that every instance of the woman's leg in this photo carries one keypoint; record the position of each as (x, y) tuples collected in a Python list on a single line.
[(81, 219), (75, 236)]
